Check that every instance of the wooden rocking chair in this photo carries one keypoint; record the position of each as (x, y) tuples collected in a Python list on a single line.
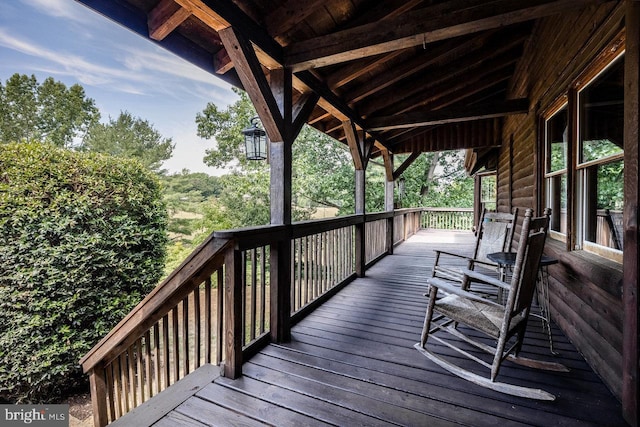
[(504, 323), (494, 234)]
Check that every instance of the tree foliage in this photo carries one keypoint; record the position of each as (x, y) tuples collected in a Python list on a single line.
[(438, 180), (132, 138), (82, 240), (48, 112)]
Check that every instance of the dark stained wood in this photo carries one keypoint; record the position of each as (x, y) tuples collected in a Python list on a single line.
[(631, 198), (202, 261), (255, 82), (351, 362), (233, 314), (452, 115), (585, 289), (98, 389), (425, 26)]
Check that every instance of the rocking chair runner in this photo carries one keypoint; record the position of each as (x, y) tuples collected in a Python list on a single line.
[(495, 234), (505, 323)]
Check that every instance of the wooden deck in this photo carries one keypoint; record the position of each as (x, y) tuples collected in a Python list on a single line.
[(352, 362)]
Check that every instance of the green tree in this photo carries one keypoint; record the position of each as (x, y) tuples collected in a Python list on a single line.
[(49, 112), (437, 180), (245, 194), (132, 138), (82, 241)]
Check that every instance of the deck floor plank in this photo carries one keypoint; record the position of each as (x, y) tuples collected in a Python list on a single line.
[(352, 362)]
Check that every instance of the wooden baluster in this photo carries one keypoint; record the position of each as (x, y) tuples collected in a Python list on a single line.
[(131, 374), (243, 292), (148, 361), (263, 289), (197, 341), (117, 388), (253, 284), (166, 352), (110, 393), (220, 316), (176, 346), (185, 335), (207, 321), (307, 270), (124, 380), (140, 383)]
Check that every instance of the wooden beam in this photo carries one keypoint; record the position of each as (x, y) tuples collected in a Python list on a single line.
[(452, 115), (631, 280), (254, 81), (166, 17), (387, 157), (204, 13), (302, 109), (459, 74), (407, 162), (284, 18), (427, 25), (354, 144), (221, 62)]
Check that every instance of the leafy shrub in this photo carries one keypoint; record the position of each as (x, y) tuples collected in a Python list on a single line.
[(82, 240)]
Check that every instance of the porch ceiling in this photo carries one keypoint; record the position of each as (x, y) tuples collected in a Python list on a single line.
[(414, 75)]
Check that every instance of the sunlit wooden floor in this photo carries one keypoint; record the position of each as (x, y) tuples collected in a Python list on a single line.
[(352, 362)]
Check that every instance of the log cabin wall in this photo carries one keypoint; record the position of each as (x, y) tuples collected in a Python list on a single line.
[(585, 289)]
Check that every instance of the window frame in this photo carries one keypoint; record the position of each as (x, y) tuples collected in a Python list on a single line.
[(575, 169), (560, 104)]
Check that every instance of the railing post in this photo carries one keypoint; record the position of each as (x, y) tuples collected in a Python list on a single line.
[(98, 388), (389, 207), (233, 313), (280, 270)]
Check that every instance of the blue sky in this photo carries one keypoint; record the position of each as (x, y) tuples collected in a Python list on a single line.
[(120, 70)]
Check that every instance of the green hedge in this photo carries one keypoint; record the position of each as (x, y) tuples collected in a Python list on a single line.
[(82, 241)]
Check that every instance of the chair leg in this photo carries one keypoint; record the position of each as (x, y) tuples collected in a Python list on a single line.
[(497, 358), (428, 315)]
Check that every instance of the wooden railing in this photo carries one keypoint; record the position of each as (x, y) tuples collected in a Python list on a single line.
[(234, 293), (173, 331), (448, 218)]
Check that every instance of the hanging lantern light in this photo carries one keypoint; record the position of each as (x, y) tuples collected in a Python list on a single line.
[(255, 141)]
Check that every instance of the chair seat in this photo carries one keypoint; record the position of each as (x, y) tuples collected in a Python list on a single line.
[(485, 317)]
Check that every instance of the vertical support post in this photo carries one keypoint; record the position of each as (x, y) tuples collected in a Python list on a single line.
[(631, 281), (233, 313), (388, 196), (281, 175), (360, 227), (389, 186), (98, 387)]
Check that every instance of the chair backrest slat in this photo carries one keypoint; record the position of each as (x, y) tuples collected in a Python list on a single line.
[(525, 272), (495, 233)]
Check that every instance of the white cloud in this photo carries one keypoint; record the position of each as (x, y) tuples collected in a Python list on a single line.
[(58, 8)]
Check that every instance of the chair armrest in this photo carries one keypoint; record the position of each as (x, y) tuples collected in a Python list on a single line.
[(488, 264), (486, 279), (455, 290), (439, 251)]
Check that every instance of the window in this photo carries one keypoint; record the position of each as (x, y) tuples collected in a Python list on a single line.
[(488, 195), (556, 145), (600, 159), (583, 151)]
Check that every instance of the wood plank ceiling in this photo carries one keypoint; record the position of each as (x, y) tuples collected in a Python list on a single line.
[(411, 75)]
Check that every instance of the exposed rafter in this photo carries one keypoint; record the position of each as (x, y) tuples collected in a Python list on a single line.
[(427, 25), (452, 115)]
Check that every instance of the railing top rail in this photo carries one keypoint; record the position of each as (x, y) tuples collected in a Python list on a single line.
[(448, 209), (205, 259)]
